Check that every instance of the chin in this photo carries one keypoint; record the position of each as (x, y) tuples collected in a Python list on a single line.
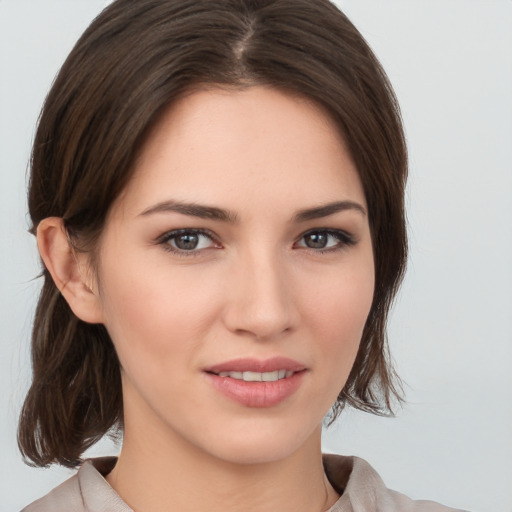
[(262, 443)]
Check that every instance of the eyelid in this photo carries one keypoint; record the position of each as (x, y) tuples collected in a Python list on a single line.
[(345, 239), (163, 240)]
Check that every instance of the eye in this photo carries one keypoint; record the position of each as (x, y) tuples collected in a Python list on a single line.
[(187, 241), (325, 239)]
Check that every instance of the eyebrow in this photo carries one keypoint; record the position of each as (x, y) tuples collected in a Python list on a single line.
[(193, 210), (328, 209), (220, 214)]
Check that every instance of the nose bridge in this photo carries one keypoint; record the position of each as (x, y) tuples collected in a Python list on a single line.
[(261, 302)]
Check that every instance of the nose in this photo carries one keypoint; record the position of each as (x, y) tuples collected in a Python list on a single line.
[(261, 300)]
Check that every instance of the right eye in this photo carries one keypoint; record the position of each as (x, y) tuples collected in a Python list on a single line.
[(187, 241)]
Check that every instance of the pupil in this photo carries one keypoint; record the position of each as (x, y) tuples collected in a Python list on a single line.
[(187, 242), (316, 240)]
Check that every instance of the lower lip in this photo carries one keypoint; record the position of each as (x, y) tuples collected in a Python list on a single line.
[(257, 394)]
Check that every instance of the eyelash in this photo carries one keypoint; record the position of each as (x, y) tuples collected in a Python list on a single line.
[(344, 240), (172, 235)]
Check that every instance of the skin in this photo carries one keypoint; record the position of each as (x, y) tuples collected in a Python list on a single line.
[(253, 288)]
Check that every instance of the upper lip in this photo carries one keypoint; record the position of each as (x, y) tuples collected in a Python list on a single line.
[(257, 365)]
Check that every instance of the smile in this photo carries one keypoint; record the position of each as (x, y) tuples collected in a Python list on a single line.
[(257, 383), (248, 376)]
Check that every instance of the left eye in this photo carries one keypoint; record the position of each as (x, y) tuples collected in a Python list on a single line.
[(325, 240), (187, 240)]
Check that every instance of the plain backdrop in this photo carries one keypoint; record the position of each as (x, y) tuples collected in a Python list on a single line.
[(451, 331)]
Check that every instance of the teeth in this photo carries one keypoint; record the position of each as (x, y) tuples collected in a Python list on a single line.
[(270, 376), (258, 376), (252, 377)]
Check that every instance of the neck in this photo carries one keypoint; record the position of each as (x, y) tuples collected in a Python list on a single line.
[(173, 475)]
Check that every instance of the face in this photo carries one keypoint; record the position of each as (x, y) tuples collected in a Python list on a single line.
[(236, 274)]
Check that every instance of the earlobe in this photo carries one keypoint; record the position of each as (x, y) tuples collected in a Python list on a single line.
[(69, 270)]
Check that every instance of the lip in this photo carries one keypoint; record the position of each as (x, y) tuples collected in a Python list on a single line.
[(257, 394), (257, 365)]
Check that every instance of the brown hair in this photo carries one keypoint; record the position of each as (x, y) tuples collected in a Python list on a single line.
[(136, 58)]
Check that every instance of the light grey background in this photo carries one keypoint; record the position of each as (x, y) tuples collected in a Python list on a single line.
[(451, 331)]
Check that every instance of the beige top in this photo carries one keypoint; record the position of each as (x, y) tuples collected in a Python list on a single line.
[(361, 489)]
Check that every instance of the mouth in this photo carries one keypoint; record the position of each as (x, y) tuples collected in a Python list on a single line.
[(249, 376), (257, 370), (257, 383)]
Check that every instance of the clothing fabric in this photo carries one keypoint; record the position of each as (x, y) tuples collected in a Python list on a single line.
[(361, 489)]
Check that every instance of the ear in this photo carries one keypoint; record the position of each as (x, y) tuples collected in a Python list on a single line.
[(69, 269)]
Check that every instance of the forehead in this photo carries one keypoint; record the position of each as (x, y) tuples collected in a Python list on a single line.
[(241, 147)]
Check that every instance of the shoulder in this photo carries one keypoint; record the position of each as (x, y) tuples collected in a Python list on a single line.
[(362, 488), (87, 491), (63, 498)]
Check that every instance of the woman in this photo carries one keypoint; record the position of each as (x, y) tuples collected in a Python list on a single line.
[(217, 194)]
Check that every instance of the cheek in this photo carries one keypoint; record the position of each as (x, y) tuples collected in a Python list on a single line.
[(157, 313), (338, 314)]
